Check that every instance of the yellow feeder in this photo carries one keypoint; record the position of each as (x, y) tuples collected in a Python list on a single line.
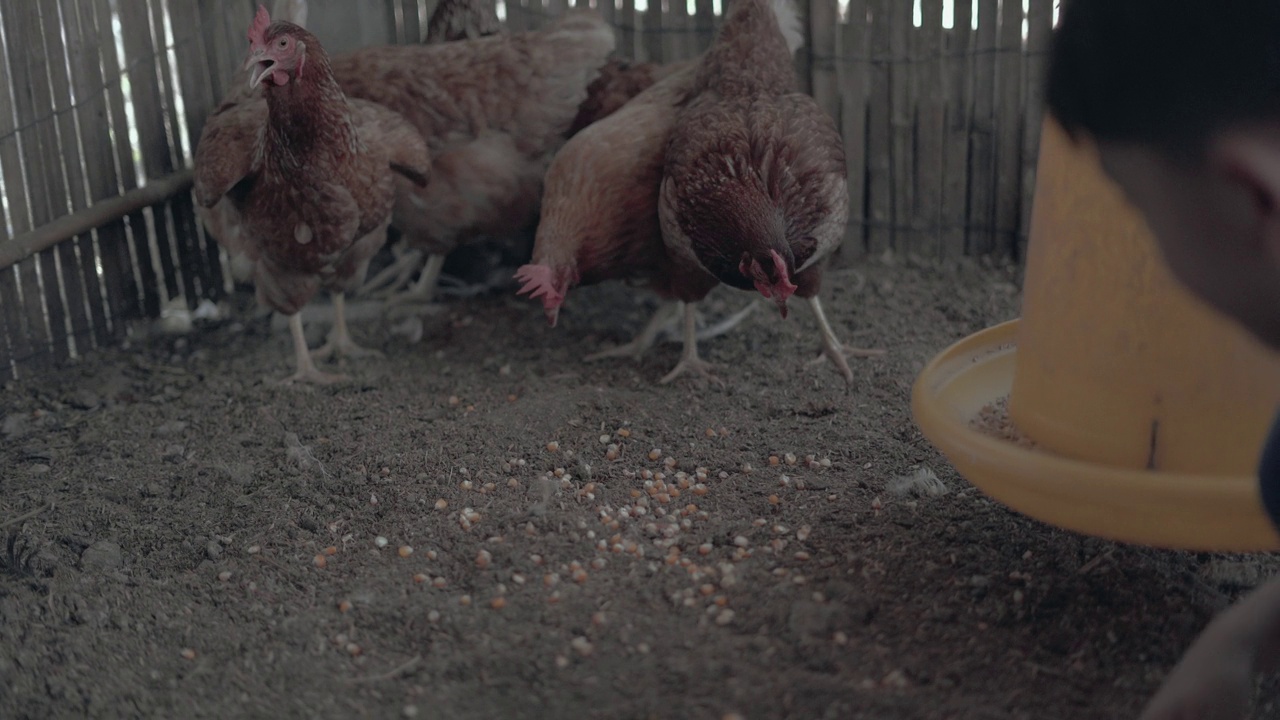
[(1147, 409)]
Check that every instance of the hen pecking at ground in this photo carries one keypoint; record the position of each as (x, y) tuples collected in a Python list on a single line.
[(754, 187)]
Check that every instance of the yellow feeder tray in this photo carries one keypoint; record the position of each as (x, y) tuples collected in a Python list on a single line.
[(1148, 411)]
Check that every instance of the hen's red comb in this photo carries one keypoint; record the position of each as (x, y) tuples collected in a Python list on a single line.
[(258, 30)]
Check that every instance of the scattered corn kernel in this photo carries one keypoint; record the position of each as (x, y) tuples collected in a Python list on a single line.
[(498, 603), (188, 654), (582, 646), (405, 551), (320, 561), (344, 606), (553, 446)]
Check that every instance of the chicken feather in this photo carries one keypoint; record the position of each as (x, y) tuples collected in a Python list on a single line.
[(493, 112)]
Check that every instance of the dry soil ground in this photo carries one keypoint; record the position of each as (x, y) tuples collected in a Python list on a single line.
[(166, 507)]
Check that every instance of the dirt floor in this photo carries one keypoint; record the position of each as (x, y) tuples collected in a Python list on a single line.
[(189, 539)]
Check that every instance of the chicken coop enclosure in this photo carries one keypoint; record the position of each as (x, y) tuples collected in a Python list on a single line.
[(102, 102)]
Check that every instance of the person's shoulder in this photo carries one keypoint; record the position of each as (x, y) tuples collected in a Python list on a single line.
[(1269, 472)]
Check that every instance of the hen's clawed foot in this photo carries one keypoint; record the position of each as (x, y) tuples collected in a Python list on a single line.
[(314, 376), (689, 360), (694, 365), (344, 347), (307, 371), (645, 339), (838, 355), (834, 350), (394, 276), (424, 290), (339, 341)]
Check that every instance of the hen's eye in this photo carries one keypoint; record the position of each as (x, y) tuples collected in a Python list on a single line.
[(284, 42)]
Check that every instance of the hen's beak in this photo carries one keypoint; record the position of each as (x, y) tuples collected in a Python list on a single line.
[(259, 65)]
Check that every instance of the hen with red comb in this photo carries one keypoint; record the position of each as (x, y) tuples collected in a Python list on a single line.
[(754, 189), (299, 180)]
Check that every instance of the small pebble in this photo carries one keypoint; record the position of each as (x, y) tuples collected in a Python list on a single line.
[(380, 541), (582, 646)]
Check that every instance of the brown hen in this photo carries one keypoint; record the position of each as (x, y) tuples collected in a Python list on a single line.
[(754, 189), (493, 112), (300, 180), (600, 212)]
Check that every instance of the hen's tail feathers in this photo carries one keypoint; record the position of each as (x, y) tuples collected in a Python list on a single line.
[(789, 21)]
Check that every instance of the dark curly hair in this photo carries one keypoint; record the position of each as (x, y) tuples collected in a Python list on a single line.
[(1167, 73)]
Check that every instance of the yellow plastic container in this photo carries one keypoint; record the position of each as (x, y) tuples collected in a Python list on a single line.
[(1117, 363), (1148, 409)]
